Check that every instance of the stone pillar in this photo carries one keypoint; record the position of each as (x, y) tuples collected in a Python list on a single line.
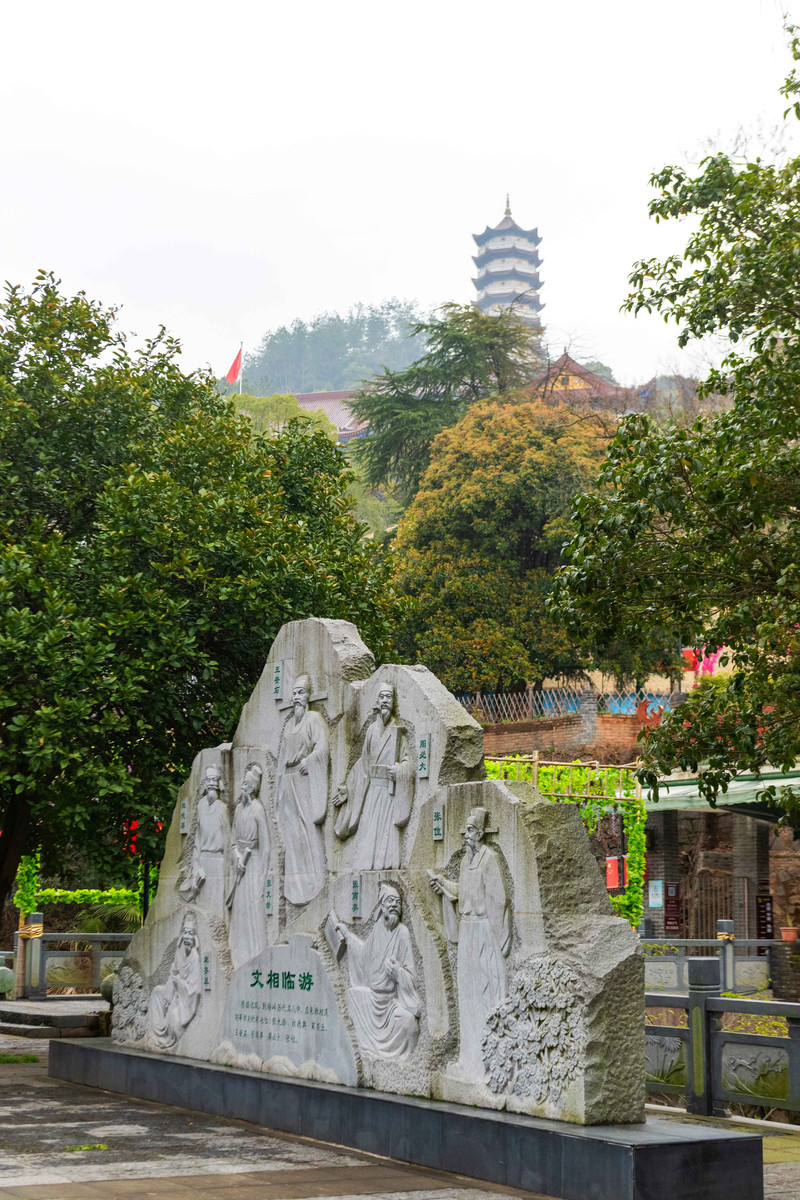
[(588, 710), (663, 861), (750, 863)]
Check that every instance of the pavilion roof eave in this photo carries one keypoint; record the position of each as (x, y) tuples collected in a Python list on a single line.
[(510, 230)]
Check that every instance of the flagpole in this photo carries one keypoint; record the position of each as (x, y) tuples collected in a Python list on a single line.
[(241, 366)]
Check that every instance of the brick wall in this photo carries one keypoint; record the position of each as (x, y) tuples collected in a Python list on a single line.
[(784, 962), (565, 737)]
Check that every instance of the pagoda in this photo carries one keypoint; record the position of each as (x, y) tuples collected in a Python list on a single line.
[(508, 262)]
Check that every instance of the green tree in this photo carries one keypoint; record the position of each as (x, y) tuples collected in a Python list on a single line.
[(272, 414), (695, 533), (469, 356), (152, 548), (334, 351), (480, 542)]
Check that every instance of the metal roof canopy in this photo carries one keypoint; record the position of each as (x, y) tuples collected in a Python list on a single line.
[(741, 796)]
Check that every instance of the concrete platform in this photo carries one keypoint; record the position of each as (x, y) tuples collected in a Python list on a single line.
[(657, 1160), (55, 1017)]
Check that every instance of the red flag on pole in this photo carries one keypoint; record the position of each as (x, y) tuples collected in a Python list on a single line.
[(236, 367)]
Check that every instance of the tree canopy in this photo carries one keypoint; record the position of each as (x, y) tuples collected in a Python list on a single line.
[(694, 534), (334, 351), (272, 414), (152, 548), (479, 544), (468, 357)]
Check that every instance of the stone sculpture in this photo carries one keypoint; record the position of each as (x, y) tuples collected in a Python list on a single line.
[(301, 796), (250, 855), (478, 959), (206, 877), (477, 917), (382, 997), (375, 802), (174, 1004)]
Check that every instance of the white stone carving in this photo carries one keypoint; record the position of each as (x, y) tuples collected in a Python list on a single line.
[(205, 881), (429, 997), (301, 796), (477, 916), (382, 998), (375, 801), (130, 1006), (174, 1004), (533, 1044), (250, 853)]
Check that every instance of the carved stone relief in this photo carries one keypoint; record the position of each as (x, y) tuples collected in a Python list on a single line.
[(533, 1045), (448, 885), (174, 1004), (205, 880), (755, 1070), (251, 848), (375, 801), (476, 916), (301, 796), (382, 998), (665, 1059), (130, 1006)]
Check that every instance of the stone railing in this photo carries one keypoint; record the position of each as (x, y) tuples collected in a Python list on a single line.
[(48, 966), (744, 962), (712, 1063)]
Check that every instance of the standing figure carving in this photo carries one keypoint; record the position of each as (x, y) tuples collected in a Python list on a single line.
[(301, 796), (250, 852), (205, 881), (382, 997), (375, 801), (477, 916), (173, 1004)]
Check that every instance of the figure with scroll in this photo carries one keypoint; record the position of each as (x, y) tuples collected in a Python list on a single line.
[(383, 998), (375, 801), (173, 1004), (477, 916), (250, 852), (301, 796), (205, 881)]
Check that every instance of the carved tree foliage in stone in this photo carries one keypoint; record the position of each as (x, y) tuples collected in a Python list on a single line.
[(130, 1006), (533, 1045)]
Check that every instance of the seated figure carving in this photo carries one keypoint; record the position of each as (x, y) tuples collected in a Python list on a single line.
[(383, 998)]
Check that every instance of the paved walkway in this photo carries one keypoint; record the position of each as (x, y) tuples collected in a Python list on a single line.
[(59, 1141)]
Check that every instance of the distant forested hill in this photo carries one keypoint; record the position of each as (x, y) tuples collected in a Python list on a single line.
[(334, 352)]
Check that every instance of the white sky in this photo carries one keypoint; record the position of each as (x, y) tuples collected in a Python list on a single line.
[(224, 169)]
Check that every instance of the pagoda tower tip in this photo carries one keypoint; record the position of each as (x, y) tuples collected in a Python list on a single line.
[(508, 206)]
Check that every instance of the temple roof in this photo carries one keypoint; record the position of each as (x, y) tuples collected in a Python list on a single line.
[(489, 255), (507, 226), (596, 384), (337, 409)]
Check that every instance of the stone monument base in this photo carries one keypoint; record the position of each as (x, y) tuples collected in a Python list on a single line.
[(656, 1160)]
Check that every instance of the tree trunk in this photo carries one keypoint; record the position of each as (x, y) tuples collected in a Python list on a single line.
[(13, 843)]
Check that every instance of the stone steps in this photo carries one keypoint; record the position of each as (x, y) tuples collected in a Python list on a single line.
[(38, 1024), (18, 1029)]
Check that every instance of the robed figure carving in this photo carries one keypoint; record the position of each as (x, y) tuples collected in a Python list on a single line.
[(382, 997), (173, 1004), (477, 916), (205, 882), (301, 796), (375, 801), (250, 852)]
